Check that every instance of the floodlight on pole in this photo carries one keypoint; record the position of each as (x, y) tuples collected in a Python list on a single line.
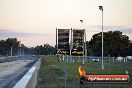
[(85, 40), (101, 8), (81, 21), (84, 44)]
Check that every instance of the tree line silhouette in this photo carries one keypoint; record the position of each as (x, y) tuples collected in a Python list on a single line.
[(115, 44)]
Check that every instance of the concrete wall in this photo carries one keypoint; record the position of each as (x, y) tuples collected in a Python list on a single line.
[(30, 79)]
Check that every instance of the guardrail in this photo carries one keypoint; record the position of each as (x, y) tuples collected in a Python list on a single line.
[(30, 79)]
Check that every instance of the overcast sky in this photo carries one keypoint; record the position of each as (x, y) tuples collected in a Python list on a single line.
[(34, 22)]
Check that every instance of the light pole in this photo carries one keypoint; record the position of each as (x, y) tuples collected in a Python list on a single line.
[(101, 8), (84, 49), (83, 43)]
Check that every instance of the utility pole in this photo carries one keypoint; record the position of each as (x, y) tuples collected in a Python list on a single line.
[(23, 51), (11, 50), (20, 51)]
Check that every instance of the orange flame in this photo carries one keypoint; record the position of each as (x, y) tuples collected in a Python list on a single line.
[(81, 71)]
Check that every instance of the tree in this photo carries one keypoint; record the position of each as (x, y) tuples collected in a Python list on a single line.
[(5, 46), (3, 49), (12, 42), (45, 49), (115, 43)]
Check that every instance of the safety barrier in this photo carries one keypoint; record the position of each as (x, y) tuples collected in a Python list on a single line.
[(30, 79)]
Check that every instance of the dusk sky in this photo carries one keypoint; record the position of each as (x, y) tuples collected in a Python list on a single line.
[(34, 22)]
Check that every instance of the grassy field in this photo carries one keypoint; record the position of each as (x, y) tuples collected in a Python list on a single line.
[(52, 72)]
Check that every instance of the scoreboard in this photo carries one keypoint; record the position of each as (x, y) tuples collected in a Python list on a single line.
[(70, 42), (63, 41), (78, 42), (78, 39)]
